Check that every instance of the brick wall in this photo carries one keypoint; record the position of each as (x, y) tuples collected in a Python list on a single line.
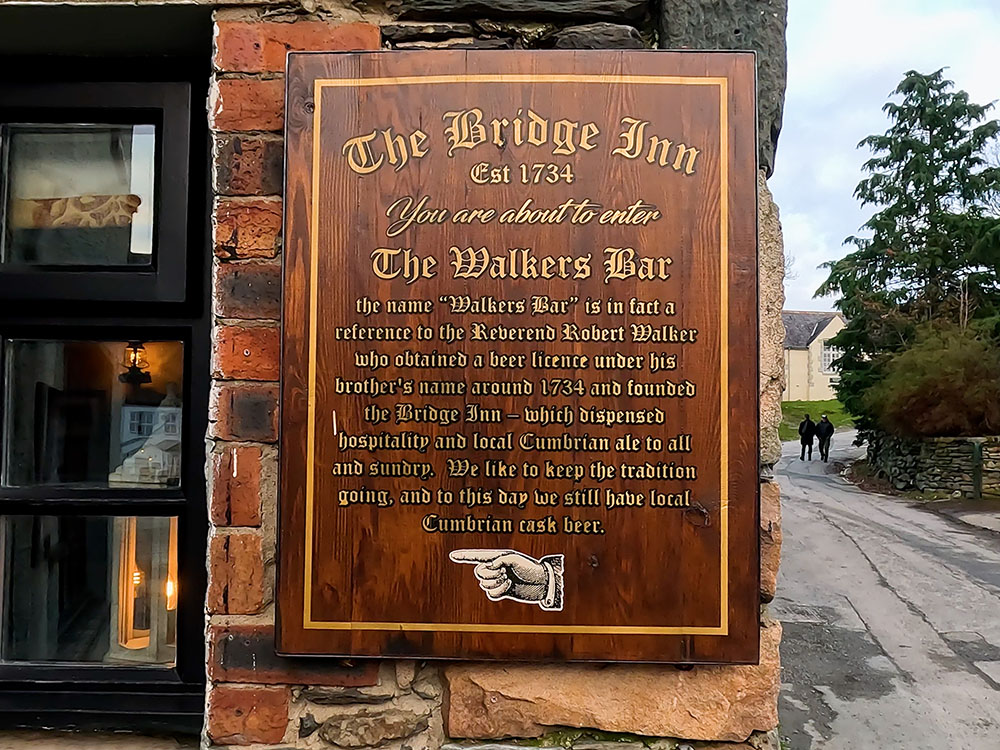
[(254, 696), (259, 699)]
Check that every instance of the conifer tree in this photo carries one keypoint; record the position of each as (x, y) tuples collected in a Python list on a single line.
[(930, 254)]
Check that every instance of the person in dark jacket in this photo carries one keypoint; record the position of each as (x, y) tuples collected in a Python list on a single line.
[(807, 431), (824, 431)]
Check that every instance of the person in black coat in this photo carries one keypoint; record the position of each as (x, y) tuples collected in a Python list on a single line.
[(807, 431), (824, 431)]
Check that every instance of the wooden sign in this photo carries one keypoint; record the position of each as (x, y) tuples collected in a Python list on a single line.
[(519, 373)]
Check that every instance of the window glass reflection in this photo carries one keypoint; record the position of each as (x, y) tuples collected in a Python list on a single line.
[(92, 414), (89, 589), (79, 194)]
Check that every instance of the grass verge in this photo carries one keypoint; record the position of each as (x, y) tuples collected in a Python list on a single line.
[(793, 412)]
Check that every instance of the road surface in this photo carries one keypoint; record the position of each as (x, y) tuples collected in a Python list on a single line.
[(891, 619)]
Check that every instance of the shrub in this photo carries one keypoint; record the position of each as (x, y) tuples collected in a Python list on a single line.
[(946, 385)]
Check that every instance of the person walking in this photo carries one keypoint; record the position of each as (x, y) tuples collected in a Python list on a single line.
[(807, 431), (824, 431)]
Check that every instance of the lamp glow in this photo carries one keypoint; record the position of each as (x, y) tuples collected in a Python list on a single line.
[(135, 362), (171, 592)]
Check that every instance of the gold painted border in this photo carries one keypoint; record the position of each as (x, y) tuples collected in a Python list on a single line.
[(308, 622)]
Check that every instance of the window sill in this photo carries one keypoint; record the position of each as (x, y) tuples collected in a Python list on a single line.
[(164, 709), (55, 740)]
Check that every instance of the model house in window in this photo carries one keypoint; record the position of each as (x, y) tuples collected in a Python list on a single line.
[(810, 373)]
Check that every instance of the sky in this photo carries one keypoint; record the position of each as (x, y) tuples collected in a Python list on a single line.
[(844, 59)]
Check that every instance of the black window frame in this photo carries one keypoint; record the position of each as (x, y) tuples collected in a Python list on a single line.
[(169, 302), (167, 106)]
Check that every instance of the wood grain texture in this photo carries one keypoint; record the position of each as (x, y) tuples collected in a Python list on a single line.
[(660, 584)]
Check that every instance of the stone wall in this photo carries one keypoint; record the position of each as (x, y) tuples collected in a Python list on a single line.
[(938, 464), (260, 700), (257, 698), (267, 702)]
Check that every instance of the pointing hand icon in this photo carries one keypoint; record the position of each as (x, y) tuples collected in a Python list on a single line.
[(508, 574)]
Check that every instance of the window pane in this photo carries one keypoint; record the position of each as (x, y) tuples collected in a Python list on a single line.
[(830, 355), (79, 194), (92, 413), (89, 589)]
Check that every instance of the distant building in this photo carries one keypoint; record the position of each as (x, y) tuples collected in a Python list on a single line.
[(809, 371)]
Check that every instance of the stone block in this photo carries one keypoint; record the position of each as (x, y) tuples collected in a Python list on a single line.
[(567, 10), (458, 43), (248, 104), (245, 716), (406, 672), (248, 164), (246, 352), (236, 486), (766, 740), (409, 31), (308, 726), (236, 584), (725, 703), (262, 46), (770, 539), (349, 696), (771, 298), (529, 32), (589, 744), (246, 653), (738, 25), (600, 35), (427, 683), (251, 290), (372, 727), (240, 411), (247, 228)]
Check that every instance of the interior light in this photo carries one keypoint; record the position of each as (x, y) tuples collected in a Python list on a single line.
[(135, 362), (171, 592)]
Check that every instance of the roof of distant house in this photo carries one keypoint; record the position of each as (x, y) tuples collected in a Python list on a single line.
[(802, 327)]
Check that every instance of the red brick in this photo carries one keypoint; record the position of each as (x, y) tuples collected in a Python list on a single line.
[(261, 47), (246, 353), (247, 228), (250, 290), (236, 575), (244, 411), (236, 475), (248, 164), (246, 653), (248, 104), (244, 716)]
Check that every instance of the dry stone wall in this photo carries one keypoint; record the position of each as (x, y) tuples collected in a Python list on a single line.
[(258, 699), (967, 466)]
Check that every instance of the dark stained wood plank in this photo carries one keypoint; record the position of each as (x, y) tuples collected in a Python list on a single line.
[(671, 584)]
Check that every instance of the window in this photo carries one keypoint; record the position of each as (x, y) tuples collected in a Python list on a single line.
[(94, 181), (79, 195), (103, 401), (104, 593), (82, 413), (140, 422), (830, 355)]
